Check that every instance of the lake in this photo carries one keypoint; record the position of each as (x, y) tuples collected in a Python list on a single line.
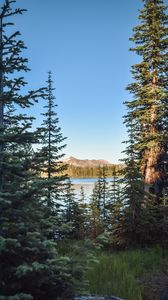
[(87, 183)]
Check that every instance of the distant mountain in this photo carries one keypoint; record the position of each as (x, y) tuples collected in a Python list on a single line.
[(72, 161)]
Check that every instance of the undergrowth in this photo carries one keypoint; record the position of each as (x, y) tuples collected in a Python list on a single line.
[(121, 273)]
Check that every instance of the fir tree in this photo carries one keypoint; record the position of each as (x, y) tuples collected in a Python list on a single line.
[(149, 106), (48, 159), (114, 188), (98, 203), (114, 201), (30, 267), (48, 166), (73, 213), (95, 219), (104, 184), (132, 192), (82, 195), (83, 206)]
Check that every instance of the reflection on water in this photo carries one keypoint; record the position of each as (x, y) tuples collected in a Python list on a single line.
[(87, 183)]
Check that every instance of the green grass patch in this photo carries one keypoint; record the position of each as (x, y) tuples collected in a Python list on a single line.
[(121, 273)]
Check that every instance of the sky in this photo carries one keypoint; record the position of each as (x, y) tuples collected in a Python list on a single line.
[(85, 43)]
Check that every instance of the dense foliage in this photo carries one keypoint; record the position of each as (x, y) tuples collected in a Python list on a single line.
[(91, 172), (144, 221), (130, 274), (148, 109)]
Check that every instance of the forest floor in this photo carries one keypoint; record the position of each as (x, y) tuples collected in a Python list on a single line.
[(156, 287), (131, 275)]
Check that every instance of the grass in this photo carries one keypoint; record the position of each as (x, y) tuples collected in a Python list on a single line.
[(120, 273)]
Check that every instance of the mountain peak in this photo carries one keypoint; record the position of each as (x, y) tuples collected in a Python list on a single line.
[(86, 162)]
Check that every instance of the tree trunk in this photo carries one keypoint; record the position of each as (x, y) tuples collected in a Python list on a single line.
[(152, 158)]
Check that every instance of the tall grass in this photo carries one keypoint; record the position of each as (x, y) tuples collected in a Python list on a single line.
[(120, 273)]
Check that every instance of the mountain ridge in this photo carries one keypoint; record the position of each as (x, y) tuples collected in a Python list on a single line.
[(73, 161)]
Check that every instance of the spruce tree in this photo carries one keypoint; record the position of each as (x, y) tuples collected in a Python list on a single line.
[(48, 162), (114, 201), (149, 104), (114, 188), (95, 220), (104, 184), (73, 214), (98, 203), (132, 192), (83, 206), (101, 192), (31, 267)]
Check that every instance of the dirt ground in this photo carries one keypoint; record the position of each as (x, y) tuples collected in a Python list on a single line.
[(156, 287)]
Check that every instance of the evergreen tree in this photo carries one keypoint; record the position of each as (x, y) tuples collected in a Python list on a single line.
[(95, 218), (104, 183), (114, 201), (49, 157), (145, 175), (149, 106), (114, 188), (82, 195), (141, 221), (98, 203), (83, 206), (101, 191), (132, 192), (73, 213), (30, 267), (48, 165)]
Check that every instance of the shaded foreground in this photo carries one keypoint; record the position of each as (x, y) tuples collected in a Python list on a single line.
[(156, 287), (130, 274), (97, 298)]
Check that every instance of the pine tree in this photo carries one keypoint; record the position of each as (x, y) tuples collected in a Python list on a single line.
[(31, 267), (83, 206), (95, 220), (98, 203), (149, 106), (113, 188), (101, 191), (52, 145), (73, 213), (114, 201), (104, 183), (132, 191), (141, 221), (82, 195)]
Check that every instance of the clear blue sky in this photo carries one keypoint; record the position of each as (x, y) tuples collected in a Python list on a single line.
[(85, 44)]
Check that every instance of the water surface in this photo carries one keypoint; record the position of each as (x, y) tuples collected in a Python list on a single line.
[(87, 183)]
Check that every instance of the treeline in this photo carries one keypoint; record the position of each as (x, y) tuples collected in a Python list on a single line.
[(112, 216), (92, 172)]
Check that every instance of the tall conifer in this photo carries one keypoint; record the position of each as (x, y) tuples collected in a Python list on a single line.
[(149, 105), (98, 203), (132, 191), (49, 157), (30, 266), (73, 213)]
